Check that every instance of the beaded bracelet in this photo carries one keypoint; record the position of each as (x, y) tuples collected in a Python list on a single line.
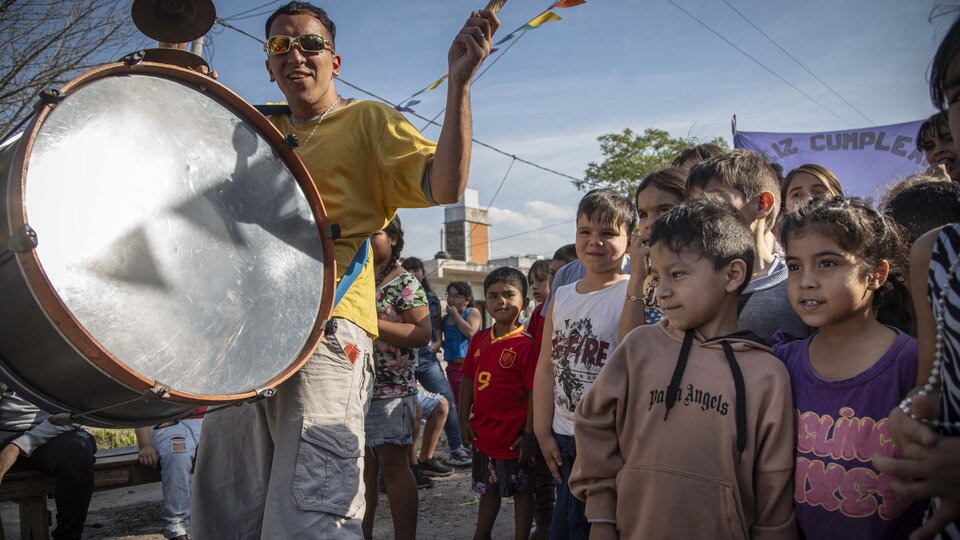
[(933, 383)]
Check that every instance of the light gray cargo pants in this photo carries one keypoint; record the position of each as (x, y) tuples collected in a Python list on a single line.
[(290, 466)]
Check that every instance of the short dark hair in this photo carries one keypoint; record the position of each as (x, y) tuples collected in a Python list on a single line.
[(743, 170), (607, 207), (948, 50), (415, 263), (700, 152), (671, 179), (539, 269), (566, 253), (462, 287), (855, 226), (937, 124), (712, 228), (304, 8), (923, 207), (508, 275)]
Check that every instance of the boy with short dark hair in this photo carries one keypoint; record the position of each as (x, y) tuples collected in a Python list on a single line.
[(710, 433), (497, 381), (745, 180), (581, 330)]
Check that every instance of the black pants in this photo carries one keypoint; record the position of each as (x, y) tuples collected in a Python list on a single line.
[(69, 459)]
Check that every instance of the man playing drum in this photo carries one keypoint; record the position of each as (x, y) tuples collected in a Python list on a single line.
[(290, 466)]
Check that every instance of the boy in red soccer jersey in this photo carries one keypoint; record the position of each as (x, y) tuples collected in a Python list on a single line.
[(497, 381)]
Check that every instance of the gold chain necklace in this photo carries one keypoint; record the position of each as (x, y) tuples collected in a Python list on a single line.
[(322, 116)]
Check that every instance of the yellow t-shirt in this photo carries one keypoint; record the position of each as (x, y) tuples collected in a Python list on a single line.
[(367, 161)]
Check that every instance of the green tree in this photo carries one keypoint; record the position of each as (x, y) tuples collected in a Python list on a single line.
[(629, 156)]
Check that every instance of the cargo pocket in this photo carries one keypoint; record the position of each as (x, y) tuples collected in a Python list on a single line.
[(327, 477)]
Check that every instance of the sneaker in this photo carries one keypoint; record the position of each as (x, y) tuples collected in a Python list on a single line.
[(433, 467), (423, 481), (460, 457)]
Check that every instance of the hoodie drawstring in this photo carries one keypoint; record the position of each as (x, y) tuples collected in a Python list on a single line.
[(741, 407), (673, 391), (740, 410)]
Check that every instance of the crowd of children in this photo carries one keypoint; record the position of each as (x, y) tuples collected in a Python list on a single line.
[(731, 354)]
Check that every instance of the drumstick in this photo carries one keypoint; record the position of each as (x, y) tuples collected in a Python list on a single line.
[(495, 5)]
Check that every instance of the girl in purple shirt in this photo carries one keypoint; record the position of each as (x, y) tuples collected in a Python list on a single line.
[(847, 375)]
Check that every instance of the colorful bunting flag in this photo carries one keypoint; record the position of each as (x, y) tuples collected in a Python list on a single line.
[(405, 106), (545, 17), (410, 102)]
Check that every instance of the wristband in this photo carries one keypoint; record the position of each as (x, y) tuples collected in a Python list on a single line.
[(633, 298)]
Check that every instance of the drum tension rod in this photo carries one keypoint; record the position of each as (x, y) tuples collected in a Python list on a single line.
[(50, 96), (291, 140), (175, 421), (134, 58), (262, 393), (157, 393), (334, 231), (23, 239)]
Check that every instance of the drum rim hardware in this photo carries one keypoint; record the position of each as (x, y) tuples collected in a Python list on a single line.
[(20, 248)]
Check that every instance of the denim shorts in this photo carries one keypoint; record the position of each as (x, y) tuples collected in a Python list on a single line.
[(390, 421), (428, 401)]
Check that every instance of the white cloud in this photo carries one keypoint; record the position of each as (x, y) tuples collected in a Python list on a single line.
[(509, 220), (548, 211)]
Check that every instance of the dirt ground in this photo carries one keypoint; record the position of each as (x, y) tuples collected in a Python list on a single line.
[(448, 510)]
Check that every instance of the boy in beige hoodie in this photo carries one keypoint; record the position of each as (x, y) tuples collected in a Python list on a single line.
[(700, 446)]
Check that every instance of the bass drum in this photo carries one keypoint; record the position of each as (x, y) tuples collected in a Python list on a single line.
[(161, 248)]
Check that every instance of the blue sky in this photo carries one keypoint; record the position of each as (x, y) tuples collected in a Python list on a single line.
[(609, 65)]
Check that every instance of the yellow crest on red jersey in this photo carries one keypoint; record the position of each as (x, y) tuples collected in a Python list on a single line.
[(507, 358)]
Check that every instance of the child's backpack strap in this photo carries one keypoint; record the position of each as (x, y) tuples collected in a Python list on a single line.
[(353, 270)]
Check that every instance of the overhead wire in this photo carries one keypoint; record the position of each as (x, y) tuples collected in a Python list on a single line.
[(475, 79), (481, 143), (799, 63), (759, 63), (509, 236), (521, 233), (241, 15), (420, 116), (486, 211), (513, 157)]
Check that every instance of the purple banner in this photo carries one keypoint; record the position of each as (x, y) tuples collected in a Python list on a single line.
[(867, 161)]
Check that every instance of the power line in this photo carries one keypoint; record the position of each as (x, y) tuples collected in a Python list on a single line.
[(240, 15), (759, 63), (481, 143), (528, 231), (486, 211), (799, 63), (394, 105), (477, 78), (244, 32)]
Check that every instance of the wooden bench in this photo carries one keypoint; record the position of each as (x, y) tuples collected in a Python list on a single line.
[(114, 468)]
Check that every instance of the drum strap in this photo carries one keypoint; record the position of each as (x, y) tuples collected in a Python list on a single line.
[(353, 270)]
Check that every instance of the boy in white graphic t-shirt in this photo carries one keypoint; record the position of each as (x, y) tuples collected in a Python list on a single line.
[(580, 331)]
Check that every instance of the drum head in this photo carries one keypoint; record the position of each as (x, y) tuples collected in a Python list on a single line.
[(174, 234)]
